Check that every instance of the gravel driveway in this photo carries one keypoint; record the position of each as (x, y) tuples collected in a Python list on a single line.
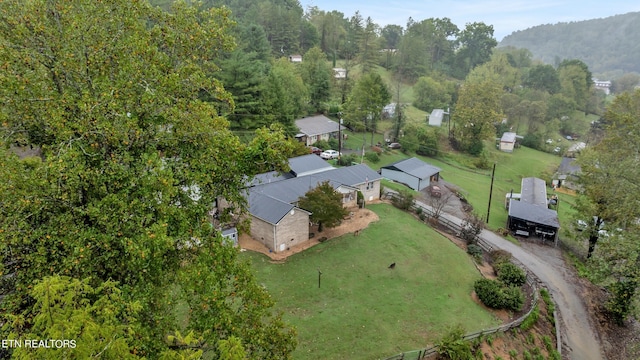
[(580, 340)]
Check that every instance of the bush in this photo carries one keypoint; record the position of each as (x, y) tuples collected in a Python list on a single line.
[(510, 274), (347, 160), (453, 346), (474, 250), (512, 298), (403, 200), (489, 292), (499, 256), (530, 320), (495, 295), (372, 157), (322, 144)]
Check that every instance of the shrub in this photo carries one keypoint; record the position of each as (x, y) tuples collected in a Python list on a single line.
[(322, 144), (474, 250), (372, 157), (347, 160), (530, 320), (494, 295), (499, 256), (510, 274), (489, 292), (453, 346), (403, 200), (512, 298)]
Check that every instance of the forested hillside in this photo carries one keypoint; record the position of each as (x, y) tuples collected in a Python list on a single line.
[(609, 46)]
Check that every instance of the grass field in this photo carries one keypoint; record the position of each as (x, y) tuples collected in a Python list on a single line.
[(363, 309)]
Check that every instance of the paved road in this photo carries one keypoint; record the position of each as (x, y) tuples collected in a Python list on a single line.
[(546, 263)]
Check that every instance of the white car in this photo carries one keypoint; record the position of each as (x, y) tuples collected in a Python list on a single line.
[(329, 154)]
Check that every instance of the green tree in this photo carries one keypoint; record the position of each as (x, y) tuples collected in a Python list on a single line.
[(286, 96), (610, 171), (575, 82), (325, 205), (316, 74), (543, 77), (432, 94), (132, 161), (100, 321), (366, 101), (477, 110), (369, 49), (476, 46)]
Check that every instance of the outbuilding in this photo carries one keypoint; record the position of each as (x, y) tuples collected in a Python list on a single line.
[(412, 172), (508, 142)]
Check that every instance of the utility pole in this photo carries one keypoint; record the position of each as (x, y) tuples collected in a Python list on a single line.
[(491, 191), (339, 136), (319, 274)]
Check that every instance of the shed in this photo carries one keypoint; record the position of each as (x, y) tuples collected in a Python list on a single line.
[(412, 172), (435, 118), (230, 235), (508, 142), (527, 220)]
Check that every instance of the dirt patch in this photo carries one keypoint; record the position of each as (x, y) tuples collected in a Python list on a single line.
[(357, 220)]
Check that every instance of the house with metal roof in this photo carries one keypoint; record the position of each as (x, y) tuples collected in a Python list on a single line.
[(412, 172), (530, 215), (318, 127), (277, 222)]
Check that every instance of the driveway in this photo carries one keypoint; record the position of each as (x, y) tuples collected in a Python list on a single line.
[(580, 340)]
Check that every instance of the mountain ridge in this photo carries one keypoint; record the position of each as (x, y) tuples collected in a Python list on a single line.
[(610, 46)]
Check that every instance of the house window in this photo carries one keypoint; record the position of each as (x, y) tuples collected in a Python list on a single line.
[(369, 185)]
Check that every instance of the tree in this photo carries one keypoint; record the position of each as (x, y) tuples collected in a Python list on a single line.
[(316, 74), (132, 160), (432, 94), (575, 81), (477, 110), (369, 50), (610, 170), (543, 77), (476, 45), (366, 101), (100, 322), (325, 205), (286, 96), (609, 183)]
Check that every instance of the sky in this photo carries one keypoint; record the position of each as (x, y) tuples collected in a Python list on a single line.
[(505, 16)]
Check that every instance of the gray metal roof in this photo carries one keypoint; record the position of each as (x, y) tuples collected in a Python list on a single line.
[(291, 190), (569, 166), (269, 177), (533, 213), (308, 164), (317, 125), (435, 118), (267, 208), (508, 137), (534, 191), (414, 167)]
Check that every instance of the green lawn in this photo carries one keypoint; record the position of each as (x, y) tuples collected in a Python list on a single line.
[(363, 309)]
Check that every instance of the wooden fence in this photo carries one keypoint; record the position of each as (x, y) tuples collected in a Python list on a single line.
[(532, 281)]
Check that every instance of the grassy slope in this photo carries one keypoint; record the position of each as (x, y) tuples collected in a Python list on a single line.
[(364, 310)]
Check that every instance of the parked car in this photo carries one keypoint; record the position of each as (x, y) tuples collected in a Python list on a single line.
[(330, 154), (394, 146), (315, 150)]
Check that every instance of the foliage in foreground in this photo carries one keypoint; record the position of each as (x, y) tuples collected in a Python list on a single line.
[(114, 220)]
